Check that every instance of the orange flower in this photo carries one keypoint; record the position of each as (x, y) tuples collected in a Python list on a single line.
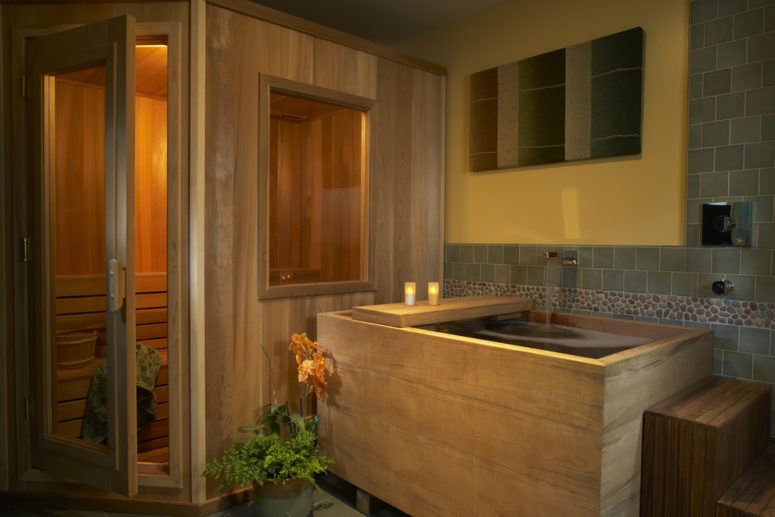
[(312, 364), (305, 368)]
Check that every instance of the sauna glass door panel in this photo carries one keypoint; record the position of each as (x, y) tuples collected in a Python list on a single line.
[(80, 108), (79, 379)]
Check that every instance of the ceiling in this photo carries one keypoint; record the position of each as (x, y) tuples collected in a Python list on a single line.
[(384, 21), (150, 71)]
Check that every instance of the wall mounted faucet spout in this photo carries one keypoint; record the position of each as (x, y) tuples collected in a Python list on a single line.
[(569, 260)]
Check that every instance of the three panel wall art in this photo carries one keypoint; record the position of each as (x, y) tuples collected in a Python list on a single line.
[(576, 103)]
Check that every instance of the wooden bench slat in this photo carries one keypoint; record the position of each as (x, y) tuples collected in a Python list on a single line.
[(159, 344), (96, 320), (155, 429), (71, 428), (156, 443), (71, 409), (94, 285), (85, 304), (151, 316), (151, 331), (72, 389), (154, 455)]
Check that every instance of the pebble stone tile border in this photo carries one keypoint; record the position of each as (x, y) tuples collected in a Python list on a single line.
[(609, 303)]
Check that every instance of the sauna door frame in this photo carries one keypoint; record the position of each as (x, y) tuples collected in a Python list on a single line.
[(177, 261), (177, 306), (110, 41)]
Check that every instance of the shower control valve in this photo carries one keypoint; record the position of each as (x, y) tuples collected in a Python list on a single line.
[(723, 287)]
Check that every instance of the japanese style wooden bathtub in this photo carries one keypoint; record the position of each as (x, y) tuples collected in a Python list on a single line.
[(438, 424)]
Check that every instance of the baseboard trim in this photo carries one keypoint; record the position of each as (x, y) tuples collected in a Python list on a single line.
[(115, 503)]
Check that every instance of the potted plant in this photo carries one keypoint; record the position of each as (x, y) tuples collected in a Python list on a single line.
[(280, 455)]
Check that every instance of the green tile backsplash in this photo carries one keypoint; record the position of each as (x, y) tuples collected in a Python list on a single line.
[(624, 258), (668, 270)]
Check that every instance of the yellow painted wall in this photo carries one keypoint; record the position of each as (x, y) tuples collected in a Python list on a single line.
[(629, 200)]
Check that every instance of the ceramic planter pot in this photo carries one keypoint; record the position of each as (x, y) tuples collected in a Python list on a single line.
[(292, 499)]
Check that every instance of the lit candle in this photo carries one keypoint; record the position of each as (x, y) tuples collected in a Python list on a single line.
[(433, 293), (409, 293)]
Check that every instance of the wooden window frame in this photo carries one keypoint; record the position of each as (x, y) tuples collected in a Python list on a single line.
[(269, 84)]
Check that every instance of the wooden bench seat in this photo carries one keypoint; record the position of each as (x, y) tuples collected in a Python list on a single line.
[(697, 443), (80, 304)]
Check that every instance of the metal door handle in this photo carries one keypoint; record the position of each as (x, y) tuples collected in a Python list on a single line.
[(115, 285)]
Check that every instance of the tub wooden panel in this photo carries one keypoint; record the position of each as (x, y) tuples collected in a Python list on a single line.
[(437, 424), (634, 381)]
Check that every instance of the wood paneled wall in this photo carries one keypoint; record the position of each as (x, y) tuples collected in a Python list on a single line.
[(80, 178), (405, 172), (80, 183), (150, 184)]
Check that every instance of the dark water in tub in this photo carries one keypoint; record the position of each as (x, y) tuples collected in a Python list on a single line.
[(554, 338)]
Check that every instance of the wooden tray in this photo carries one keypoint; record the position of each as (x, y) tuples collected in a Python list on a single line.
[(467, 307)]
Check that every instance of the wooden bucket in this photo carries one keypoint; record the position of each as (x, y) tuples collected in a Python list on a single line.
[(75, 349)]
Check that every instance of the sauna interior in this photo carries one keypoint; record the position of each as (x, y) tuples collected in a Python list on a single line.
[(78, 241), (185, 184), (317, 171)]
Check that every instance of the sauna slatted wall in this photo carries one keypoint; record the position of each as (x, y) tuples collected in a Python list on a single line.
[(80, 304)]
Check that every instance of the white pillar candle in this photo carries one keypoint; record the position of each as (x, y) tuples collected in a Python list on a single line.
[(409, 290), (433, 293)]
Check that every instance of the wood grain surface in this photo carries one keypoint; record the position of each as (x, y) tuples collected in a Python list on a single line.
[(698, 442), (406, 162), (80, 184), (467, 307), (170, 18), (753, 494), (87, 311), (493, 429), (405, 147)]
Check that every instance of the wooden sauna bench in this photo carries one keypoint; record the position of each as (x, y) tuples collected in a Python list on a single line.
[(438, 424), (80, 303)]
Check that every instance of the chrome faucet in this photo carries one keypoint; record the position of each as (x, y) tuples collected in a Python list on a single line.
[(569, 260)]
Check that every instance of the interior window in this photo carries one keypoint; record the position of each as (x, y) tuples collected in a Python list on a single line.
[(316, 191)]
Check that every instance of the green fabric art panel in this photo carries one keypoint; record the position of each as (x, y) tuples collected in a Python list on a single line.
[(580, 102)]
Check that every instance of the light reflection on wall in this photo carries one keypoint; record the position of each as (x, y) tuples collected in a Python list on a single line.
[(569, 202)]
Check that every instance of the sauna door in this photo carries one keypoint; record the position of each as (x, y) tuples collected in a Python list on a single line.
[(80, 106)]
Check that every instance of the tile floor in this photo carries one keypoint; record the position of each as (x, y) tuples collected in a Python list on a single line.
[(335, 499), (325, 505)]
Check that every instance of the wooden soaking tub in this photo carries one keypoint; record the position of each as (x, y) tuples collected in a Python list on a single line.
[(440, 424)]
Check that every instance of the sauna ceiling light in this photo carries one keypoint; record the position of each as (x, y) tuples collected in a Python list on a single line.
[(151, 45)]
